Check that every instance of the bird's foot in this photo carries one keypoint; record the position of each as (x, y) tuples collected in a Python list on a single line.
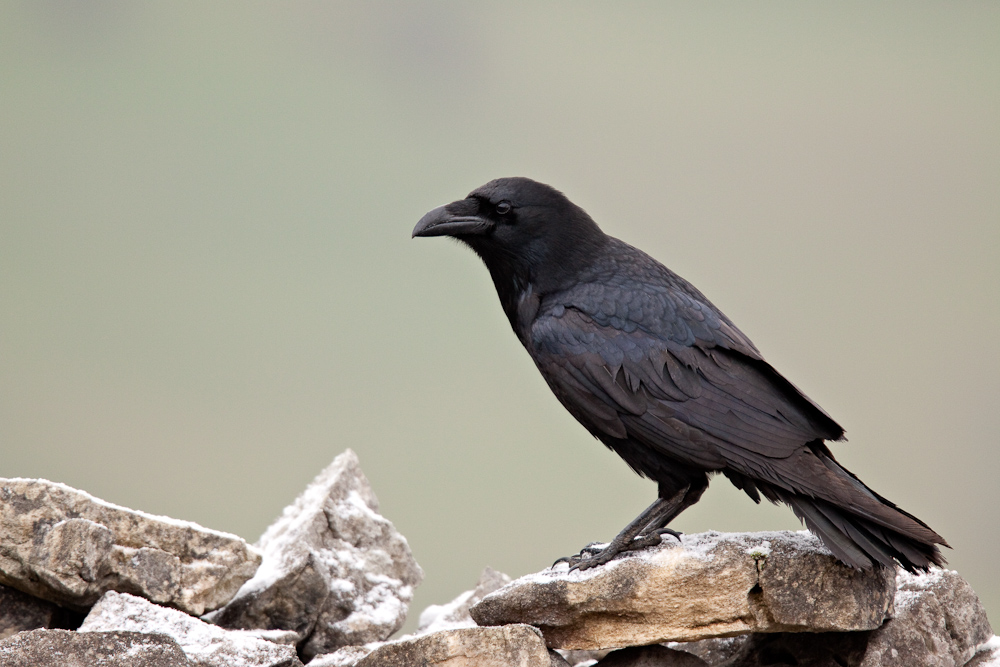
[(593, 554), (592, 548)]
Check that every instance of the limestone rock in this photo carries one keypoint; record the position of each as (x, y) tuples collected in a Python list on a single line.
[(712, 585), (205, 644), (92, 649), (507, 646), (987, 655), (335, 571), (939, 621), (66, 546), (20, 611), (455, 614)]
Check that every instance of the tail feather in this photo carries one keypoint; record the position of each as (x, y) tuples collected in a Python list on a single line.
[(859, 526)]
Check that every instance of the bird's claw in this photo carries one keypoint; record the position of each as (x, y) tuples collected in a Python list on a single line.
[(573, 560), (593, 555)]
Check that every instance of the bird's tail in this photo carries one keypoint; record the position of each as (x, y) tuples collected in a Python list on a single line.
[(859, 526)]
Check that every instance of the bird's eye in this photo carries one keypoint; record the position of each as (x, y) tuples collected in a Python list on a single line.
[(504, 207)]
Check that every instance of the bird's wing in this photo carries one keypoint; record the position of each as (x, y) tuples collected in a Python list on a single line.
[(669, 370)]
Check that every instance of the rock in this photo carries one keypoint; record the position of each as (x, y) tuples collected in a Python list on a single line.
[(507, 646), (650, 656), (68, 547), (939, 621), (335, 571), (346, 656), (20, 611), (582, 658), (714, 651), (435, 618), (987, 655), (804, 649), (455, 614), (205, 644), (713, 585), (91, 649)]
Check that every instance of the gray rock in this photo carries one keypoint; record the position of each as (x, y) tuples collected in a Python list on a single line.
[(455, 614), (507, 646), (714, 651), (64, 545), (335, 571), (92, 649), (713, 585), (939, 621), (435, 618), (987, 655), (582, 658), (20, 611), (205, 644)]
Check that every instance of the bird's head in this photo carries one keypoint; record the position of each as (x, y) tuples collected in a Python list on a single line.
[(523, 230)]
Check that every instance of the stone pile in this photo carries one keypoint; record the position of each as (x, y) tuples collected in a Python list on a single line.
[(719, 600), (330, 572), (85, 582)]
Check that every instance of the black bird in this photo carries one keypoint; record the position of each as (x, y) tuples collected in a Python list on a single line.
[(658, 374)]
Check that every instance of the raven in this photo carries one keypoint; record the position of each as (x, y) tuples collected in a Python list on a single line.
[(659, 375)]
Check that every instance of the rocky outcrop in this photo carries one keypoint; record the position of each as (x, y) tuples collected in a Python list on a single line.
[(64, 545), (336, 580), (711, 585), (92, 649), (335, 571), (203, 643)]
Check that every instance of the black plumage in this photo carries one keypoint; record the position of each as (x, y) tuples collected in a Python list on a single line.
[(657, 373)]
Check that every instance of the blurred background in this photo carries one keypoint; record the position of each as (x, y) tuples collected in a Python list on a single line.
[(208, 287)]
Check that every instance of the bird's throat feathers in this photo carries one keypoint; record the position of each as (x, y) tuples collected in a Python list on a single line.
[(537, 261)]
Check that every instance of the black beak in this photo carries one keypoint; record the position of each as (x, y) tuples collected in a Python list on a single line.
[(456, 219)]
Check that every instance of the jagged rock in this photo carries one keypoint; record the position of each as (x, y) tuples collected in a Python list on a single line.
[(939, 621), (455, 614), (20, 611), (507, 646), (987, 655), (712, 585), (205, 644), (435, 618), (91, 649), (335, 571), (64, 545)]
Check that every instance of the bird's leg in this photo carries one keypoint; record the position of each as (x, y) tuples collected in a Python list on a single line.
[(644, 531)]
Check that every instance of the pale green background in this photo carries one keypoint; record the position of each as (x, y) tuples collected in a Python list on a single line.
[(208, 287)]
